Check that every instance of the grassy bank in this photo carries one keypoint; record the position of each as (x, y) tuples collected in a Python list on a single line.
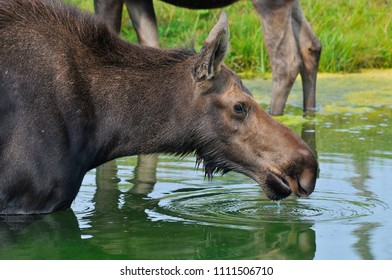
[(355, 33)]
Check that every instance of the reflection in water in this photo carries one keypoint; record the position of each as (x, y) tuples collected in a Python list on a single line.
[(364, 231), (145, 174), (180, 216), (362, 246), (293, 241), (131, 231), (308, 134), (54, 236)]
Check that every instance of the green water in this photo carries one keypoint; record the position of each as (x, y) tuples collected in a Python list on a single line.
[(172, 212)]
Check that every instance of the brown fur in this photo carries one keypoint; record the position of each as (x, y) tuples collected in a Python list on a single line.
[(73, 95)]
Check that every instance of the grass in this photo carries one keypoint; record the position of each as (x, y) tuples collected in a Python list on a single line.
[(355, 34)]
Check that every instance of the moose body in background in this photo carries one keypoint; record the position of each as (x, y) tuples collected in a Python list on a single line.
[(291, 44), (73, 96)]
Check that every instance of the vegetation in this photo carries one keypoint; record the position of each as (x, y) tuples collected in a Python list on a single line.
[(355, 34)]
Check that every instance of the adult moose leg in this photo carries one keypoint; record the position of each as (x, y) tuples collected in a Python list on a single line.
[(281, 47), (144, 21), (286, 32), (310, 49), (142, 16), (110, 11)]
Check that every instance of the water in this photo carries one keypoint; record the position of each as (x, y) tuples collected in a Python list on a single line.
[(124, 212)]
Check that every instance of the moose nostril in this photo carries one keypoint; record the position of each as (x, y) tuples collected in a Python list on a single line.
[(284, 181), (306, 182), (301, 190), (302, 184)]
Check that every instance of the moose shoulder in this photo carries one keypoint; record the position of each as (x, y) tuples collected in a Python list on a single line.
[(73, 95)]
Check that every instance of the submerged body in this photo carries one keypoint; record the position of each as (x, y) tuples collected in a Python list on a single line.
[(73, 95)]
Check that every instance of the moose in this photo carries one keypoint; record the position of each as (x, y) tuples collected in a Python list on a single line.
[(73, 95), (292, 46)]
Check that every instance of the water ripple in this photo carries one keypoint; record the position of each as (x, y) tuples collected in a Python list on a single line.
[(247, 207)]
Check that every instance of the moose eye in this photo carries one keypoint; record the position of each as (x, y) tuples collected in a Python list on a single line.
[(240, 108)]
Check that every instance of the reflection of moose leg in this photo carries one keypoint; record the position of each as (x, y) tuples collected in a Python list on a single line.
[(308, 134), (286, 241), (106, 196), (280, 20), (145, 174)]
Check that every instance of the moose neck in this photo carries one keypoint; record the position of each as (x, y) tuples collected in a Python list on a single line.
[(143, 101)]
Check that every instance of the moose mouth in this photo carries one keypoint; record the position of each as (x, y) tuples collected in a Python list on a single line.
[(275, 186), (278, 187)]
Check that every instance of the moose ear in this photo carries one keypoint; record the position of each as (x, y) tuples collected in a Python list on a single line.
[(214, 51)]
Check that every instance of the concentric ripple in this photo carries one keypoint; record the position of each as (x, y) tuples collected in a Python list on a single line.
[(246, 206)]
